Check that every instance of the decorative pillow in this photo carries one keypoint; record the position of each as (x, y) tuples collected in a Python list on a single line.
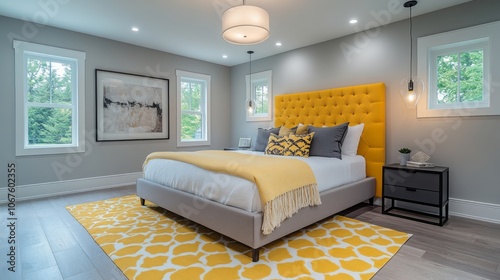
[(263, 137), (302, 129), (276, 145), (298, 145), (328, 140), (351, 141), (285, 131)]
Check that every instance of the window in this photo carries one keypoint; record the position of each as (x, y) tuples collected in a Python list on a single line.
[(458, 75), (260, 94), (193, 103), (455, 67), (50, 99)]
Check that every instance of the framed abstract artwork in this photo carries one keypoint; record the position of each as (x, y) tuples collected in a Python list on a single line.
[(131, 107)]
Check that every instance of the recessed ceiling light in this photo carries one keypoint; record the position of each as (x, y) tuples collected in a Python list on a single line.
[(135, 29), (224, 56), (353, 21), (278, 44)]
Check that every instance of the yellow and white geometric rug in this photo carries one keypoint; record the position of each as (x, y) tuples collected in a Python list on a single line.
[(151, 243)]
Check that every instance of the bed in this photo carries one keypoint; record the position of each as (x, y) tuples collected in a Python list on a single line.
[(355, 104)]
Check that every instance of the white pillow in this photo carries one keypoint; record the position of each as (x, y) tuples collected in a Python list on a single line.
[(351, 141)]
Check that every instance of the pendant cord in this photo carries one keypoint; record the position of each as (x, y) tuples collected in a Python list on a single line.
[(411, 47), (250, 66), (250, 78)]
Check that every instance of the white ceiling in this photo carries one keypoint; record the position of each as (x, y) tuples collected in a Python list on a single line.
[(192, 28)]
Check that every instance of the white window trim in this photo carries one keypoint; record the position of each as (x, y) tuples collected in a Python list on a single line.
[(190, 75), (257, 78), (22, 50), (429, 44)]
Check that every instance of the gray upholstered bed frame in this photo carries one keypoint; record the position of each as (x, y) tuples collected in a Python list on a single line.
[(244, 226), (356, 104)]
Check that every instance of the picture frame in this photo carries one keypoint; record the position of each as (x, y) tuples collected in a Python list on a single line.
[(244, 142), (131, 107)]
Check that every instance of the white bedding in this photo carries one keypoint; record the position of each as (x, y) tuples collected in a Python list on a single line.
[(241, 193)]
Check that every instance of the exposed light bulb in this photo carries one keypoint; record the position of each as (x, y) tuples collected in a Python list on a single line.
[(411, 96), (250, 106), (411, 90)]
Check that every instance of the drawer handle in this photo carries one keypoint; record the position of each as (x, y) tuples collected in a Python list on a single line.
[(411, 189)]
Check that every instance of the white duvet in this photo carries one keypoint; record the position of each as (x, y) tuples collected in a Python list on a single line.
[(241, 193)]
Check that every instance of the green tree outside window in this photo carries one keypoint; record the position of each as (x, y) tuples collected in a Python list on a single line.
[(49, 99)]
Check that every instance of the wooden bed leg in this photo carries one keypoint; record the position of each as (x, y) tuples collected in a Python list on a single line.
[(371, 201), (255, 255), (143, 201)]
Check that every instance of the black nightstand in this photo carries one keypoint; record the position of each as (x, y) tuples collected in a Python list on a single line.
[(418, 185)]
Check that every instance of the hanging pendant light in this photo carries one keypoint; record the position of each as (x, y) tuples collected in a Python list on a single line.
[(411, 88), (249, 103), (245, 25)]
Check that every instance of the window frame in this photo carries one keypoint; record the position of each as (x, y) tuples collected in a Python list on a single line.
[(264, 77), (205, 109), (458, 48), (458, 41), (23, 51)]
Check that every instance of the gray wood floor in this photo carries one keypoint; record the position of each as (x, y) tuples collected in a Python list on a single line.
[(53, 245)]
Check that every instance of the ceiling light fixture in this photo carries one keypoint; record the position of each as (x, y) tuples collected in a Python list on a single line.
[(245, 25), (278, 44), (353, 21), (411, 88), (135, 29), (249, 103)]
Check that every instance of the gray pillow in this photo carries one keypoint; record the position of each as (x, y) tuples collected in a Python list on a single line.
[(263, 137), (327, 141)]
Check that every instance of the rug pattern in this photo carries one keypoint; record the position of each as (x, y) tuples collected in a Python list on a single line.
[(147, 242)]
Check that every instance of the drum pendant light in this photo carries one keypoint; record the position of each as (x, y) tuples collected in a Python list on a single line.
[(245, 25)]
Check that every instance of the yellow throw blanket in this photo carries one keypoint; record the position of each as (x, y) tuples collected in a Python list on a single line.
[(285, 185)]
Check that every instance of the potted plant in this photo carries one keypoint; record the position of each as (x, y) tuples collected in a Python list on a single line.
[(404, 156)]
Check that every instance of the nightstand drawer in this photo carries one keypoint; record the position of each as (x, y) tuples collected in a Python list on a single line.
[(412, 179), (411, 194)]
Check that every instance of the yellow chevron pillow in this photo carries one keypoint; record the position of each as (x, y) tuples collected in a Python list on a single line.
[(292, 145), (298, 145), (276, 145)]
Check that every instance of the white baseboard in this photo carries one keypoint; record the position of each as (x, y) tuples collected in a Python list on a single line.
[(483, 211), (476, 210), (33, 191)]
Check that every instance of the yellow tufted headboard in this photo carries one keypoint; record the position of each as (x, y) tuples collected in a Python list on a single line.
[(355, 104)]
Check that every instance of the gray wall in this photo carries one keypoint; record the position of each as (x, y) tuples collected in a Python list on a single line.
[(102, 158), (471, 145)]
